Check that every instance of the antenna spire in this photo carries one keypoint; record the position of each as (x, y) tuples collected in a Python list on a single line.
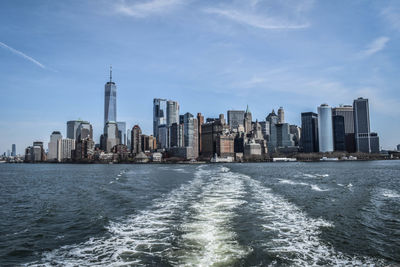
[(110, 73)]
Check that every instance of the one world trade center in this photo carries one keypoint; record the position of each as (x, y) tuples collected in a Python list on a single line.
[(110, 101)]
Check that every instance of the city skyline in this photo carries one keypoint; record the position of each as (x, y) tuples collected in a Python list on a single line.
[(206, 69)]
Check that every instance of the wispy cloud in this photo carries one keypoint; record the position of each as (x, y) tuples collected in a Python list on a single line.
[(19, 53), (391, 14), (144, 9), (254, 20), (376, 46)]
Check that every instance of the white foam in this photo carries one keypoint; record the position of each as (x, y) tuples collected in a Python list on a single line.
[(284, 181), (294, 235), (207, 235), (129, 241), (317, 188), (390, 193)]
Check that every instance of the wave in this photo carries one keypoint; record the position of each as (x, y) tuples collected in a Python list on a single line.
[(131, 241), (207, 237), (293, 235)]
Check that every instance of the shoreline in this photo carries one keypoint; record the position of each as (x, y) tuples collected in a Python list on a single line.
[(202, 162)]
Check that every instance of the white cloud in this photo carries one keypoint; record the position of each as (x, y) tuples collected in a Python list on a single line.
[(19, 53), (265, 14), (144, 9), (376, 46), (254, 20), (392, 15)]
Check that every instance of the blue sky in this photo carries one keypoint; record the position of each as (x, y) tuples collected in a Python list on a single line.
[(210, 56)]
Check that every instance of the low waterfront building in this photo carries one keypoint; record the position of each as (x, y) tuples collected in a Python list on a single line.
[(156, 157)]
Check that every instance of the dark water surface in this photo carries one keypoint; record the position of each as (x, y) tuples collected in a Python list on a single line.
[(290, 214)]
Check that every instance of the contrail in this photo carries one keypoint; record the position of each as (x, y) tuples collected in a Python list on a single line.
[(19, 53)]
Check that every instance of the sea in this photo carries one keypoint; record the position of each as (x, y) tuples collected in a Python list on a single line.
[(240, 214)]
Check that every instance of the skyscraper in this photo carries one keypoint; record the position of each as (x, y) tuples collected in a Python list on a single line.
[(110, 135), (200, 121), (348, 114), (84, 131), (13, 150), (309, 132), (136, 140), (72, 127), (325, 130), (122, 132), (159, 115), (172, 112), (235, 118), (53, 152), (361, 125), (338, 133), (64, 149), (247, 121), (172, 117), (281, 115), (191, 134), (110, 101)]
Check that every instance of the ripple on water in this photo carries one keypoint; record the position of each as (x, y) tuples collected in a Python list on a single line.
[(293, 236)]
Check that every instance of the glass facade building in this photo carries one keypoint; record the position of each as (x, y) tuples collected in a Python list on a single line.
[(339, 133), (110, 101), (361, 125), (325, 129), (309, 132)]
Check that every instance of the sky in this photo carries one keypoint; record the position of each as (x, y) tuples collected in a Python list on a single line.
[(210, 56)]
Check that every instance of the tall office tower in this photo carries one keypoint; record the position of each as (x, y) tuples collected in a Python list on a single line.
[(265, 129), (8, 153), (347, 112), (64, 149), (38, 151), (162, 141), (338, 133), (200, 121), (122, 132), (52, 153), (309, 132), (361, 125), (235, 118), (272, 118), (296, 132), (188, 129), (325, 130), (172, 117), (72, 127), (172, 112), (128, 139), (177, 135), (280, 136), (13, 150), (191, 134), (398, 147), (110, 100), (247, 121), (136, 140), (281, 115), (159, 115), (374, 140), (84, 131), (110, 135)]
